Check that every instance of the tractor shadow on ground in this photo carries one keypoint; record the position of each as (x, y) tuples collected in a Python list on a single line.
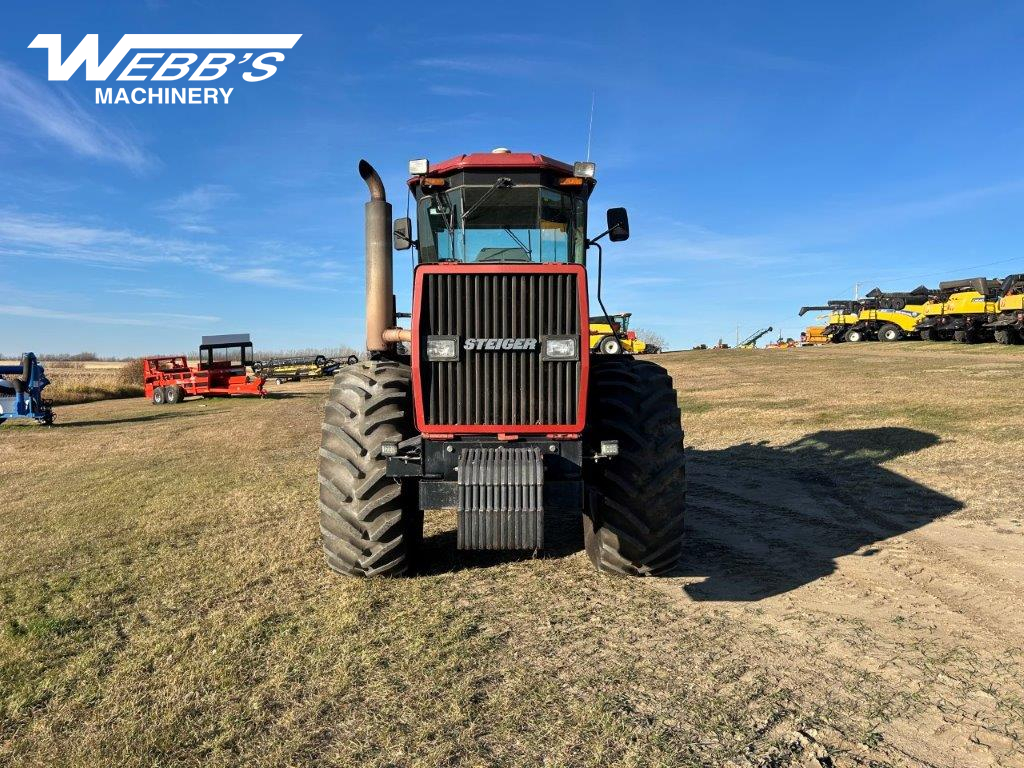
[(764, 520), (151, 417)]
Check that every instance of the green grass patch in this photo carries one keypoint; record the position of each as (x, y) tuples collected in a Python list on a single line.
[(693, 406)]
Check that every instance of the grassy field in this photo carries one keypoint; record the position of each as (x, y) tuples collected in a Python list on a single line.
[(850, 592)]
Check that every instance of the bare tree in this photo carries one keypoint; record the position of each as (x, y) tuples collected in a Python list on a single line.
[(651, 338)]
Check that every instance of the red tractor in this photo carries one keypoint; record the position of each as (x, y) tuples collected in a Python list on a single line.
[(222, 371), (491, 403)]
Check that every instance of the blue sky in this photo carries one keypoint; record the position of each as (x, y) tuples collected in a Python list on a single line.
[(770, 155)]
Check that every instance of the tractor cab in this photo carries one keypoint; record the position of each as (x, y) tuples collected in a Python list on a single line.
[(610, 335), (499, 208), (226, 354), (619, 323)]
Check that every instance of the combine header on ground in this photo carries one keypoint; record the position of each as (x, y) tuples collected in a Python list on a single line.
[(222, 371), (283, 369), (21, 391), (491, 403)]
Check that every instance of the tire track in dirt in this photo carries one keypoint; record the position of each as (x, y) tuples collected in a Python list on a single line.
[(863, 598)]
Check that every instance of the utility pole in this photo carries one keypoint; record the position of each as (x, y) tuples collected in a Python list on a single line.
[(737, 334), (856, 290)]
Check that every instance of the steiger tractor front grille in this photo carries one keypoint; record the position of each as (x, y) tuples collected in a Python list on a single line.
[(499, 317)]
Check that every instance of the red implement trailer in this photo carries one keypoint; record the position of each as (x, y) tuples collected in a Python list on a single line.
[(222, 371)]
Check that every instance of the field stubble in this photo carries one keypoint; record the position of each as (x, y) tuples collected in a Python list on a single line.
[(849, 594)]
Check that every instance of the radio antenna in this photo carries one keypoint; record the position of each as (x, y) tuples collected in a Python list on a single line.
[(590, 128)]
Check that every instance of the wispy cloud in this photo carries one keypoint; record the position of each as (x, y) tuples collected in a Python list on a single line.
[(645, 281), (146, 293), (875, 216), (813, 235), (276, 277), (161, 319), (486, 65), (192, 211), (53, 237), (272, 263), (525, 39), (43, 109), (455, 91), (682, 241)]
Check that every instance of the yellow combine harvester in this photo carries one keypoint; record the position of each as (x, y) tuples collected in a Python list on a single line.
[(879, 315), (616, 338), (842, 316), (961, 311), (1007, 324)]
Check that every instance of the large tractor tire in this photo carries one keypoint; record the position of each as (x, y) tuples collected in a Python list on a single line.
[(633, 524), (369, 523), (854, 335), (890, 332)]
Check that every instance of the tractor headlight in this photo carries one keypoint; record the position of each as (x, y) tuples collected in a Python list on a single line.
[(583, 170), (560, 348), (442, 348), (419, 167)]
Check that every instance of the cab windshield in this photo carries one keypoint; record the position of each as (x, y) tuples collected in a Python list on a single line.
[(501, 223)]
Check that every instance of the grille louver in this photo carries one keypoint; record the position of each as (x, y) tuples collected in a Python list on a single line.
[(500, 387)]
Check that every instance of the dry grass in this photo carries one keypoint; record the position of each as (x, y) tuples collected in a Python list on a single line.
[(843, 601), (86, 382)]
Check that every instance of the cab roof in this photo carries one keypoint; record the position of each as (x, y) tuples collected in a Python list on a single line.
[(496, 161)]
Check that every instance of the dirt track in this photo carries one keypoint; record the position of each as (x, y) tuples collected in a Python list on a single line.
[(885, 550), (850, 592)]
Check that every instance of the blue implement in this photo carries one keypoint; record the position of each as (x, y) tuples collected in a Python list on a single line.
[(21, 391)]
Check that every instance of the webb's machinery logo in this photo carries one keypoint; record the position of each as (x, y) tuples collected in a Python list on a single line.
[(165, 58)]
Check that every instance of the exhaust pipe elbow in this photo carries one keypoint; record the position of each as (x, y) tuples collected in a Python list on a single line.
[(380, 300), (372, 179)]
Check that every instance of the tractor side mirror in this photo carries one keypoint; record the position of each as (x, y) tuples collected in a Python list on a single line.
[(618, 225), (403, 234)]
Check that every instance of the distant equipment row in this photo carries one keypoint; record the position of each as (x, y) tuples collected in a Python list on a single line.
[(969, 311)]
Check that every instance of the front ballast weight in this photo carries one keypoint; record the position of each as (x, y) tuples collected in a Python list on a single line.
[(501, 498)]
